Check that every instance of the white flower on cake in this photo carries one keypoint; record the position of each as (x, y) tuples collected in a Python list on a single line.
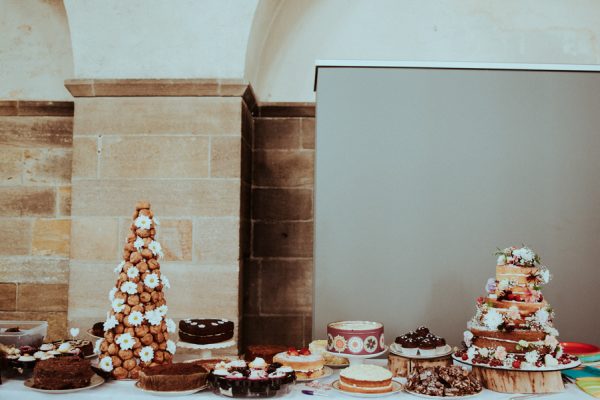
[(503, 284), (146, 354), (163, 309), (550, 361), (524, 344), (165, 281), (155, 247), (129, 288), (551, 341), (171, 348), (151, 280), (125, 341), (513, 313), (74, 332), (500, 353), (97, 346), (171, 327), (110, 322), (106, 364), (154, 317), (135, 318), (484, 352), (468, 338), (501, 259), (532, 356), (542, 316), (133, 272), (526, 254), (559, 352), (545, 275), (492, 319), (139, 243), (471, 352), (143, 222), (118, 305), (111, 294), (119, 267), (550, 330)]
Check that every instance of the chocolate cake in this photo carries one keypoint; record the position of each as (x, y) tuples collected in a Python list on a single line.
[(98, 329), (69, 372), (264, 351), (205, 331), (175, 377)]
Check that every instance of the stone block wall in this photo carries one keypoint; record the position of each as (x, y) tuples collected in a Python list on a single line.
[(278, 279), (35, 209)]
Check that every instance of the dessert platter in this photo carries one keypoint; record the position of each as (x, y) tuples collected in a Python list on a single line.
[(366, 380), (205, 335), (511, 342), (420, 344), (441, 382), (306, 365), (356, 340)]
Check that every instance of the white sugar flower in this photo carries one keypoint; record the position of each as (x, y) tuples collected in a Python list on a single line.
[(545, 275), (550, 330), (110, 322), (111, 294), (492, 319), (484, 352), (142, 222), (163, 309), (125, 341), (526, 254), (151, 280), (156, 221), (133, 272), (153, 317), (135, 318), (500, 353), (501, 260), (542, 316), (106, 364), (139, 243), (468, 338), (471, 352), (551, 341), (97, 346), (118, 305), (165, 281), (171, 348), (523, 343), (155, 247), (171, 327), (129, 288), (550, 361), (532, 356), (147, 354), (119, 267)]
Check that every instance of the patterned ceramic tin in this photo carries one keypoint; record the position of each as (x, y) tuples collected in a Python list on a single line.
[(355, 337)]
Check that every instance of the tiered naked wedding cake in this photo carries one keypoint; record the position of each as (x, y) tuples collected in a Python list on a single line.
[(513, 326), (136, 331)]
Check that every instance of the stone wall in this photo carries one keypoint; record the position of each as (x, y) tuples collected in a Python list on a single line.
[(35, 209), (278, 280)]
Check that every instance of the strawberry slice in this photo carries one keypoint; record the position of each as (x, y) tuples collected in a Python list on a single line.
[(304, 351), (292, 352)]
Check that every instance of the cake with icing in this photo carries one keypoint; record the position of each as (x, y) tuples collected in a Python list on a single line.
[(205, 331), (69, 372), (174, 377), (514, 325), (365, 378), (303, 362)]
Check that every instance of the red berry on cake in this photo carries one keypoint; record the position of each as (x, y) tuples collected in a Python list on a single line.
[(293, 352), (516, 364), (304, 352)]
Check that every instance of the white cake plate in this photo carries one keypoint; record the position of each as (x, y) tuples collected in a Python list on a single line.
[(358, 359), (206, 349)]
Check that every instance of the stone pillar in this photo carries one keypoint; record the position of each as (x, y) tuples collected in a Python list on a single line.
[(183, 145)]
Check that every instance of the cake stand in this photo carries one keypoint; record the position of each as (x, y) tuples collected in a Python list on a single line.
[(356, 359), (206, 349), (511, 380)]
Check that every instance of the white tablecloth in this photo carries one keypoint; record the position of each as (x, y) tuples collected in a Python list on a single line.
[(15, 390)]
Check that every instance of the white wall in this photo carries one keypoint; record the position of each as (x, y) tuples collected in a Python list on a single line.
[(529, 31), (35, 50), (160, 39)]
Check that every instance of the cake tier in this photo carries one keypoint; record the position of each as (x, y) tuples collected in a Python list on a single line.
[(525, 309), (509, 345), (503, 271), (366, 379), (300, 363), (516, 335)]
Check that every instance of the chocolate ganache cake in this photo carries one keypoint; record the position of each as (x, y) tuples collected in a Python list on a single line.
[(69, 372), (205, 331), (173, 377)]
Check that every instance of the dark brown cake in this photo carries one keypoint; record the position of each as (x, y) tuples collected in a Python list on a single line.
[(205, 331), (68, 372), (175, 377), (264, 351), (98, 329)]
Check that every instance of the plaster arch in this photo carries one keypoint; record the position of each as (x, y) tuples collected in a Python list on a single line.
[(35, 50)]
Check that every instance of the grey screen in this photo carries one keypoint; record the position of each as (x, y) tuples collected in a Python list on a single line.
[(422, 173)]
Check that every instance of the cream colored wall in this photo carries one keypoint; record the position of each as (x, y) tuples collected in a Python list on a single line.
[(521, 31), (35, 50)]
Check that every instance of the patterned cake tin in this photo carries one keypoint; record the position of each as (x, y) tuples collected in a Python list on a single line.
[(355, 337)]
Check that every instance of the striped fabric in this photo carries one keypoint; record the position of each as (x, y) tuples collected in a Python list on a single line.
[(589, 385)]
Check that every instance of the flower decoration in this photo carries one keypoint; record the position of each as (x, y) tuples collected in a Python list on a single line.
[(106, 364), (135, 318), (165, 281), (171, 327), (155, 247), (171, 348), (513, 313), (468, 338), (151, 280), (110, 322), (339, 343), (544, 275), (154, 317), (125, 341), (550, 361), (532, 356), (551, 341), (542, 316), (484, 352), (119, 267), (139, 243), (133, 272), (146, 354), (111, 294), (97, 346), (490, 286), (143, 222), (129, 288), (500, 353), (492, 319), (118, 305), (163, 309)]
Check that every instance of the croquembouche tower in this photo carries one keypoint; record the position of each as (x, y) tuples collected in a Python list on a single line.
[(511, 341), (136, 331)]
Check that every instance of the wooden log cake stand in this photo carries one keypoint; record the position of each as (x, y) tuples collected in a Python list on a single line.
[(511, 381), (401, 365)]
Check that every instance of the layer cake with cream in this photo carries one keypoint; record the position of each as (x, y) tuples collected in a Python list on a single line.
[(365, 378)]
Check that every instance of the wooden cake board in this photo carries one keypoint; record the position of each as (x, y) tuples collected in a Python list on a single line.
[(511, 381), (401, 365)]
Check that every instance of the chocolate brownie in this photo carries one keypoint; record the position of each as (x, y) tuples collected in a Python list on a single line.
[(68, 372), (205, 331)]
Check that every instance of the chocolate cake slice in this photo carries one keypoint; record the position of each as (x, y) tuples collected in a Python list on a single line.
[(69, 372), (175, 377)]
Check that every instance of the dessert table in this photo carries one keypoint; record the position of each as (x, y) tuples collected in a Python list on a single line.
[(14, 389)]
